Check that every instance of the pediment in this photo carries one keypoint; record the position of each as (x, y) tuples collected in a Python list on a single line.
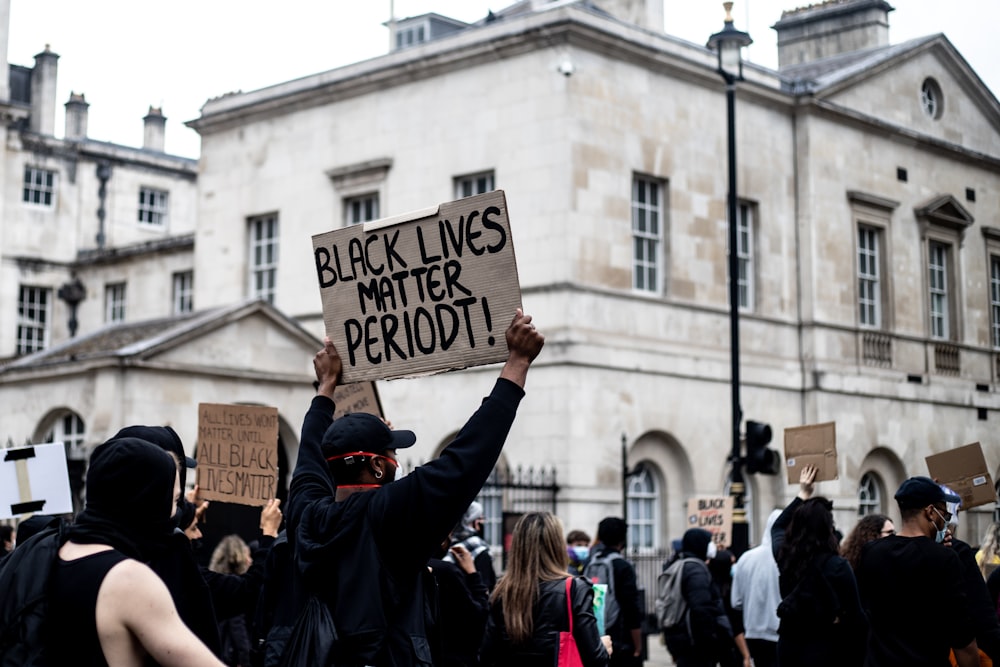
[(945, 211)]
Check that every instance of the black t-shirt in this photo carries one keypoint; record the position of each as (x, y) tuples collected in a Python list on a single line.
[(912, 589)]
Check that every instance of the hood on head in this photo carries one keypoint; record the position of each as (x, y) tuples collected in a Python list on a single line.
[(695, 542), (765, 539)]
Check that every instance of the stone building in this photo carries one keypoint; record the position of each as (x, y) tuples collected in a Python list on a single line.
[(869, 240)]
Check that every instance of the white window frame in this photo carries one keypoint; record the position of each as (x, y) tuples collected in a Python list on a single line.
[(869, 276), (745, 240), (474, 184), (361, 208), (938, 289), (647, 234), (69, 429), (182, 292), (869, 495), (995, 300), (39, 187), (412, 35), (643, 497), (263, 258), (153, 207), (34, 312), (115, 302)]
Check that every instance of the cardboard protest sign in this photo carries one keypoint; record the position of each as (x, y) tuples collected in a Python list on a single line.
[(811, 445), (964, 470), (34, 479), (237, 453), (422, 292), (357, 397), (714, 514)]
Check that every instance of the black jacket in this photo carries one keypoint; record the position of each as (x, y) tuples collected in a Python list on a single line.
[(365, 556), (708, 631), (982, 608), (549, 616), (457, 607)]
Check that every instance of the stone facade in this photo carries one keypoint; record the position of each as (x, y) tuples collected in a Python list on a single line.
[(569, 110)]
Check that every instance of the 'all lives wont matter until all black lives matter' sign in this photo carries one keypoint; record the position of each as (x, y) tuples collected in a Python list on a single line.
[(424, 292), (237, 453)]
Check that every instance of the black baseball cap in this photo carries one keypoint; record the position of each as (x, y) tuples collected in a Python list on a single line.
[(362, 433), (917, 492)]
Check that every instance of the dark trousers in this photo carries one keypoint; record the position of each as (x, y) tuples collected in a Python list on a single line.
[(763, 652)]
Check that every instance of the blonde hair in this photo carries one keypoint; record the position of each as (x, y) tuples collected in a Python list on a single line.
[(990, 548), (537, 554), (230, 556)]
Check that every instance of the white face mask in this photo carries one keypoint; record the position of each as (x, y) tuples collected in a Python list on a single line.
[(940, 532), (712, 551)]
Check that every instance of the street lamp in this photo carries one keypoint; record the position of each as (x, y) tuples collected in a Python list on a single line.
[(728, 45)]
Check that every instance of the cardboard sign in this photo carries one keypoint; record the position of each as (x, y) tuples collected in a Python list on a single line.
[(811, 445), (357, 397), (237, 453), (714, 514), (33, 480), (420, 293), (964, 470)]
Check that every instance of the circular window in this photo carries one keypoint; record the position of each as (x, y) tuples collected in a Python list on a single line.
[(931, 98)]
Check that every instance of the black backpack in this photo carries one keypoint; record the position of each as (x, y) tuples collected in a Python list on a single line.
[(25, 576)]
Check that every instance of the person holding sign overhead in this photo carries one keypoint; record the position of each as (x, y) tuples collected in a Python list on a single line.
[(361, 539)]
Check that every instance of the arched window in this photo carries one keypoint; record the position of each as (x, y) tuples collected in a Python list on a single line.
[(869, 494), (643, 495), (68, 428)]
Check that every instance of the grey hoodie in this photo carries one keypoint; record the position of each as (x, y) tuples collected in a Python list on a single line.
[(755, 588)]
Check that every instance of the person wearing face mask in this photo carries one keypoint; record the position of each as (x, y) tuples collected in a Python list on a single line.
[(469, 535), (578, 550), (361, 539), (910, 583)]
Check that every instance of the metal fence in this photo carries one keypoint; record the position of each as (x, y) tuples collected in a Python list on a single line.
[(648, 566)]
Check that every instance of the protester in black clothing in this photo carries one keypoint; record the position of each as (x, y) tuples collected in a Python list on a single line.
[(705, 637), (993, 586), (469, 534), (459, 603), (626, 629), (721, 569), (822, 622), (362, 547), (909, 584), (537, 599)]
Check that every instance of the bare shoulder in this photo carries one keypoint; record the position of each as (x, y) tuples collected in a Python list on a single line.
[(131, 581)]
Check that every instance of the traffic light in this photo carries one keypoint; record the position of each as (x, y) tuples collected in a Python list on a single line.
[(759, 458)]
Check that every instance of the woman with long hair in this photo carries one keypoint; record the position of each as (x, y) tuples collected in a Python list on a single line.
[(532, 601), (870, 527), (989, 553), (822, 622), (232, 556)]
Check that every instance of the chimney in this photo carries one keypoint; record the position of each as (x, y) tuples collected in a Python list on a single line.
[(4, 41), (76, 117), (154, 124), (43, 92), (831, 28)]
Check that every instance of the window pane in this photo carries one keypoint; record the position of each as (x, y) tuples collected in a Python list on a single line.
[(646, 234)]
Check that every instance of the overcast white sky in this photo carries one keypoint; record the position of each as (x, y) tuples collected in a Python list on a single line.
[(125, 55)]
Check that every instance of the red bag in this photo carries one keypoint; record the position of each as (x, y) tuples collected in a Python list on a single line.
[(569, 654)]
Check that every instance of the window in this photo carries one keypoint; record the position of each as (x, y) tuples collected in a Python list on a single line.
[(410, 36), (69, 430), (646, 234), (995, 299), (931, 99), (937, 280), (491, 498), (744, 255), (33, 318), (474, 184), (114, 302), (361, 209), (869, 495), (643, 500), (39, 186), (183, 292), (869, 278), (263, 256), (152, 206)]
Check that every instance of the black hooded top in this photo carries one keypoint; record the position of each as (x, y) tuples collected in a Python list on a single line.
[(130, 497)]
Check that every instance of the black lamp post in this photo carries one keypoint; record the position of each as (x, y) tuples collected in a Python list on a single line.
[(728, 45)]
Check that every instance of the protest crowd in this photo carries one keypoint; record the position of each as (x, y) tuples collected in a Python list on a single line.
[(361, 568)]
